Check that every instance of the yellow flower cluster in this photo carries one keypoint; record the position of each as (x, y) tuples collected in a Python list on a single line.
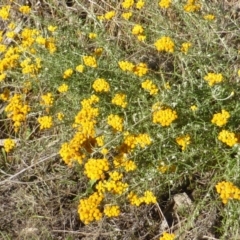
[(165, 44), (79, 68), (95, 168), (126, 4), (101, 85), (183, 141), (88, 209), (92, 35), (132, 141), (185, 47), (109, 15), (4, 12), (140, 69), (8, 145), (112, 211), (150, 87), (113, 185), (227, 137), (47, 99), (167, 236), (213, 78), (90, 61), (137, 29), (85, 121), (45, 122), (227, 191), (31, 68), (126, 66), (60, 116), (126, 15), (116, 122), (24, 9), (52, 28), (164, 116), (209, 17), (63, 88), (17, 111), (147, 198), (140, 4), (67, 73), (192, 6), (220, 119), (119, 99), (165, 3), (122, 161)]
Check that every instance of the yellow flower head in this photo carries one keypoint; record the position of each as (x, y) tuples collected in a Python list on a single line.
[(220, 119), (183, 141), (109, 15), (101, 85), (80, 68), (120, 100), (8, 144), (90, 61), (67, 73), (126, 15), (140, 69), (227, 137), (165, 3), (164, 116), (112, 211), (45, 122), (164, 44), (25, 9), (185, 47), (140, 4), (127, 4), (4, 12), (137, 29), (63, 88), (167, 236), (209, 17), (52, 28), (213, 78), (116, 122)]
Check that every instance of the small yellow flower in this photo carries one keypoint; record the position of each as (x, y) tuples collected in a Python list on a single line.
[(140, 69), (92, 35), (149, 86), (185, 47), (165, 3), (239, 72), (227, 137), (120, 100), (164, 44), (25, 9), (101, 85), (67, 73), (45, 122), (47, 99), (126, 15), (167, 236), (220, 119), (109, 15), (140, 4), (80, 68), (137, 29), (116, 122), (126, 4), (209, 17), (63, 88), (60, 116), (52, 28), (4, 12), (8, 144), (141, 38), (90, 61), (112, 211), (213, 78), (194, 108), (183, 141)]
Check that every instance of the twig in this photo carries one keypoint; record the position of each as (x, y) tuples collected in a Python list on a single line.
[(25, 169)]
